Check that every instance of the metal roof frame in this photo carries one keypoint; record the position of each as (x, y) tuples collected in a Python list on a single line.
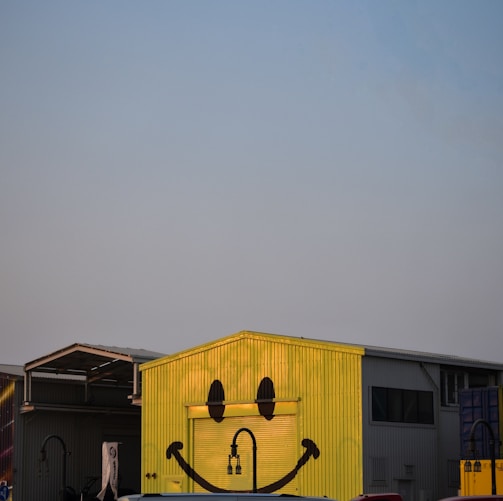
[(107, 365)]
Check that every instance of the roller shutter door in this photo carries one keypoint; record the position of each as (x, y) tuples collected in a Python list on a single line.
[(277, 451)]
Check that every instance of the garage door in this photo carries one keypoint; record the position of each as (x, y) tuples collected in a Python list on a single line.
[(277, 451)]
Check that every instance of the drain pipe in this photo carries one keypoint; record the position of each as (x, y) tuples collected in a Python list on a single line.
[(436, 408)]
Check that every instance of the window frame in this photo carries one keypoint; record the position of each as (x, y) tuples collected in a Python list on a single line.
[(402, 406), (453, 380)]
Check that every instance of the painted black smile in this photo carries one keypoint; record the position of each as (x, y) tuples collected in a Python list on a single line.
[(311, 450)]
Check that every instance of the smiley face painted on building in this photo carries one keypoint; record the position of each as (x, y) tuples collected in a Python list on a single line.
[(265, 405)]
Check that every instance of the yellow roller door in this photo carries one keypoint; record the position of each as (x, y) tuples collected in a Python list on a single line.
[(277, 451)]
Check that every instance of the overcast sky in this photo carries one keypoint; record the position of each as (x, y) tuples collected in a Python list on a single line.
[(172, 172)]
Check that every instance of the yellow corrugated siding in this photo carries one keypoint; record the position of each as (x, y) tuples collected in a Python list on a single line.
[(480, 483), (500, 412), (324, 378), (212, 443)]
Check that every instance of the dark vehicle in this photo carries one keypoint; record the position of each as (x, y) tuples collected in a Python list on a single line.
[(381, 496), (217, 497), (474, 498)]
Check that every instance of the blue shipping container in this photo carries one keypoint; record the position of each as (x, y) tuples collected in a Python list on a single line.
[(486, 404)]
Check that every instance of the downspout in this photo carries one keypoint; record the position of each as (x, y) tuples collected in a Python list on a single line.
[(437, 404)]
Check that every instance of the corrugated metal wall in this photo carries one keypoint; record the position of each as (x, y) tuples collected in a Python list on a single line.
[(83, 434), (480, 483), (400, 457), (7, 414), (212, 445), (486, 404), (322, 379)]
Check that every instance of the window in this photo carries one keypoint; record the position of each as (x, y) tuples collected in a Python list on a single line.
[(396, 405), (452, 381)]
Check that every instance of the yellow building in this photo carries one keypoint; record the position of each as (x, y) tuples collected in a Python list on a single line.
[(298, 400), (272, 413)]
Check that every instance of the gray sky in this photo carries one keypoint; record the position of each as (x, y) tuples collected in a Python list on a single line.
[(172, 172)]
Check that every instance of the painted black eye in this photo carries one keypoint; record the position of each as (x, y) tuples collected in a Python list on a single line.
[(215, 403), (265, 398)]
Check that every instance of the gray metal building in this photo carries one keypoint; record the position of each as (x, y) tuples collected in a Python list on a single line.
[(68, 403), (411, 430)]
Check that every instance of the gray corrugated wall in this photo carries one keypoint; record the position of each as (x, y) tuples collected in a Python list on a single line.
[(400, 456), (83, 435)]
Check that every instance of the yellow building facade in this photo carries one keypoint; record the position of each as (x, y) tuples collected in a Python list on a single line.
[(254, 412)]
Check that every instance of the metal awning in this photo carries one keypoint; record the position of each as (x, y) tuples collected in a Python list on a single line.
[(106, 365)]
